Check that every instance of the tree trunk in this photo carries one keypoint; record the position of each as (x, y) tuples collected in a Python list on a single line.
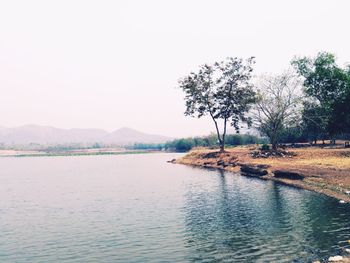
[(221, 140), (274, 146), (221, 143), (222, 147), (274, 143)]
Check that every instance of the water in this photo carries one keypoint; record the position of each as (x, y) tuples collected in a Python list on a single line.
[(138, 208)]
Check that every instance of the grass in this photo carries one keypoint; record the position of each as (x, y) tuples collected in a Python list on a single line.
[(336, 158), (336, 162)]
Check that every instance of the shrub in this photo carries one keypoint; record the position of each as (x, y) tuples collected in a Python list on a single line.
[(265, 147)]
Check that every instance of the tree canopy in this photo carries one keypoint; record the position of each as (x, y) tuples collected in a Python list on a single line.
[(307, 104), (328, 87), (221, 90)]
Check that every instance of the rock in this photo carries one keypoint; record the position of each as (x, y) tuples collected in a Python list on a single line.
[(263, 166), (271, 153), (211, 155), (221, 163), (288, 175), (253, 170), (335, 259)]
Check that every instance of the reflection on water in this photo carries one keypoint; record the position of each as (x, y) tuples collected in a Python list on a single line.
[(141, 209), (245, 219)]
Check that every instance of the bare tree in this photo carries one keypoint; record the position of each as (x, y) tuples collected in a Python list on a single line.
[(278, 105)]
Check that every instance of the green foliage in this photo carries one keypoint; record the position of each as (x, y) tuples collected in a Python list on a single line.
[(328, 86), (315, 121), (96, 146), (148, 146), (293, 134), (265, 147), (186, 144), (221, 90), (340, 120)]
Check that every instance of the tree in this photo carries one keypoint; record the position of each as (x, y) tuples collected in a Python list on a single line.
[(329, 85), (340, 121), (278, 105), (223, 91), (314, 121)]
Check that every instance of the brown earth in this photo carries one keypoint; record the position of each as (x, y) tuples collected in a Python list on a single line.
[(323, 170)]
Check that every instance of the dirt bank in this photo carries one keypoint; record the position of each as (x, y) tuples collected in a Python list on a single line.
[(322, 170)]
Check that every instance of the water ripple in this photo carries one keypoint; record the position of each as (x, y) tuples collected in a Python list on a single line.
[(142, 209)]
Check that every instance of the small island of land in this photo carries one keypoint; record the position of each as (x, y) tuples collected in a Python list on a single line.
[(323, 170)]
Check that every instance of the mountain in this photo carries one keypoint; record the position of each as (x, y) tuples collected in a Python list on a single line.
[(126, 135), (28, 134)]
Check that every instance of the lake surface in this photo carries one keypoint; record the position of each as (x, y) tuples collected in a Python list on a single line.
[(138, 208)]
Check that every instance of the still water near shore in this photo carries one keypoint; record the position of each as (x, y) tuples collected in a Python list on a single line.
[(138, 208)]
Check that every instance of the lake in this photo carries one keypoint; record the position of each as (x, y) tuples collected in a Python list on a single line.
[(139, 208)]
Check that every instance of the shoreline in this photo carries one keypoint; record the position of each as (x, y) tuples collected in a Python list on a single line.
[(22, 154), (321, 178), (307, 176)]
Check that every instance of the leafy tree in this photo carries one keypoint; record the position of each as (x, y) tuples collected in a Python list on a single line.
[(293, 134), (184, 145), (329, 86), (340, 120), (223, 91), (278, 105), (236, 139), (314, 121)]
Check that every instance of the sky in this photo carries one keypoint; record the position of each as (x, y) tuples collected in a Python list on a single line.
[(112, 64)]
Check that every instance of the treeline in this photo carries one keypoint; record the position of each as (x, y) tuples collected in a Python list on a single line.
[(186, 144), (147, 146), (58, 147), (325, 110), (308, 102)]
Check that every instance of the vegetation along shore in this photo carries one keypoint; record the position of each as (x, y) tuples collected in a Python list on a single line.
[(307, 107)]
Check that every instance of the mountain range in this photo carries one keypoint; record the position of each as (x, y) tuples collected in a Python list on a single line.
[(29, 134)]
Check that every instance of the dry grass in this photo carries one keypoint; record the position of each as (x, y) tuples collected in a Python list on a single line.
[(336, 158), (340, 163)]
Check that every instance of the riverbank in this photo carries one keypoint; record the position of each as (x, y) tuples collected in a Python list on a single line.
[(322, 170)]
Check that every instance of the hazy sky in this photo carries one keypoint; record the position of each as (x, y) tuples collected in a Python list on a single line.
[(109, 64)]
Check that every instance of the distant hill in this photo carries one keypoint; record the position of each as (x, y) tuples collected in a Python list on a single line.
[(29, 134)]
